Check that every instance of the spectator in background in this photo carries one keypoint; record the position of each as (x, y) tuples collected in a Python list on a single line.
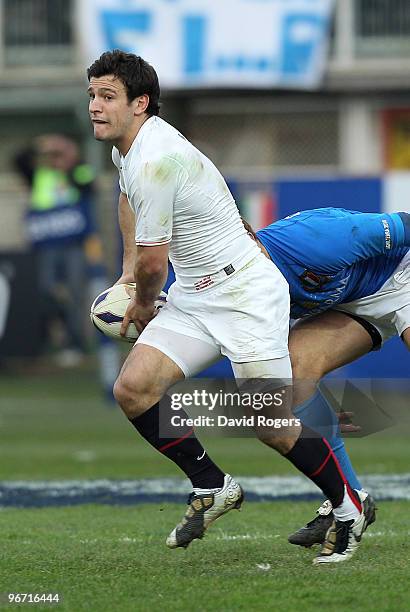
[(58, 223), (61, 229)]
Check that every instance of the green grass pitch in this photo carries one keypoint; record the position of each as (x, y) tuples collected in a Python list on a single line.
[(114, 557)]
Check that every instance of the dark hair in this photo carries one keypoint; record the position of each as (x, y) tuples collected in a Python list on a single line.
[(138, 76)]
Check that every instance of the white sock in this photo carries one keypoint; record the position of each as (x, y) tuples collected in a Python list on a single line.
[(199, 491), (347, 509)]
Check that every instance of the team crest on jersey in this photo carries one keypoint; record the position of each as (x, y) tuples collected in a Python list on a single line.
[(312, 281)]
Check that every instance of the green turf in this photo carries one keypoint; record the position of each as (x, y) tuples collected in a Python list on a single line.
[(60, 427), (114, 558), (103, 558)]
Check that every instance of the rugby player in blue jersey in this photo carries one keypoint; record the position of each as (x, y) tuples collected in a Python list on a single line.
[(349, 279)]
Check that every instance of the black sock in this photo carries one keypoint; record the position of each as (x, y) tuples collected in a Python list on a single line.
[(185, 450), (314, 457)]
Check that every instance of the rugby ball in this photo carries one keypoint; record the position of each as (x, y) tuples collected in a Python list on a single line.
[(108, 310)]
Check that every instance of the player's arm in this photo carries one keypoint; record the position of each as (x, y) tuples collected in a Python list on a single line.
[(387, 231), (150, 272), (371, 235), (337, 239), (329, 239), (126, 218), (150, 275)]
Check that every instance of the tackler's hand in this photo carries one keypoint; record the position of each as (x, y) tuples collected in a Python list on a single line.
[(345, 423)]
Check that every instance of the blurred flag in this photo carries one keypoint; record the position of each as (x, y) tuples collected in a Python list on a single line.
[(256, 202)]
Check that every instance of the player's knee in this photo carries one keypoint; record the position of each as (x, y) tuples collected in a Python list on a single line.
[(122, 392), (282, 445), (129, 395)]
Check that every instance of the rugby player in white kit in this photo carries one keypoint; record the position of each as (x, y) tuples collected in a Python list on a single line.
[(227, 299)]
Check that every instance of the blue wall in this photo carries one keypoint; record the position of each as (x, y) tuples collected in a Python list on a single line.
[(355, 194)]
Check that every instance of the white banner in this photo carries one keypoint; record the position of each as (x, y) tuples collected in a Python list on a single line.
[(214, 43)]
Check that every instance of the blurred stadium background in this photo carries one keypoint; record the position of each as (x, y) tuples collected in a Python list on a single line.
[(341, 139), (345, 142)]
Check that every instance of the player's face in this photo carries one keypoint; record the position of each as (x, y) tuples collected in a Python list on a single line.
[(111, 114)]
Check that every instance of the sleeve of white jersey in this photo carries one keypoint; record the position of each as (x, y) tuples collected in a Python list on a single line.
[(160, 180), (115, 156)]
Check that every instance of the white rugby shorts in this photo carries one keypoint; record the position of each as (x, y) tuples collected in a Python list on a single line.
[(388, 310), (245, 318)]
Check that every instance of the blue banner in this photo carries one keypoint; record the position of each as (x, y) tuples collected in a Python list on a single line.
[(208, 43), (69, 222)]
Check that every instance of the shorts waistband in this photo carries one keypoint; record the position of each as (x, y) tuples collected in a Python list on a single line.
[(211, 280)]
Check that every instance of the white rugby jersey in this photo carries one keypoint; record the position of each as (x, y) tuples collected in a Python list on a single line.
[(179, 197)]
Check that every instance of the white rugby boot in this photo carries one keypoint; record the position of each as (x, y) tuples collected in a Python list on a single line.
[(343, 537), (204, 507), (315, 531)]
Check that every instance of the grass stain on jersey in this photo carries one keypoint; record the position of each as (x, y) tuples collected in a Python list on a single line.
[(164, 169), (163, 220)]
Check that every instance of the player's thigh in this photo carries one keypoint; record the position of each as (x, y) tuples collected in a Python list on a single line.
[(190, 349), (146, 375), (160, 358), (323, 343), (177, 332), (274, 369), (270, 386)]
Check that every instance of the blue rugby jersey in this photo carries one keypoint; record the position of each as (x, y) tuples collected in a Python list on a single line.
[(331, 256)]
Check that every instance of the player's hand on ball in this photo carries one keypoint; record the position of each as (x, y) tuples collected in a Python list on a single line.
[(138, 314), (108, 310)]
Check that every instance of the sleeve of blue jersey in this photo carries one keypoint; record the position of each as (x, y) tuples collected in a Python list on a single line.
[(378, 234), (328, 240), (405, 219), (375, 234)]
